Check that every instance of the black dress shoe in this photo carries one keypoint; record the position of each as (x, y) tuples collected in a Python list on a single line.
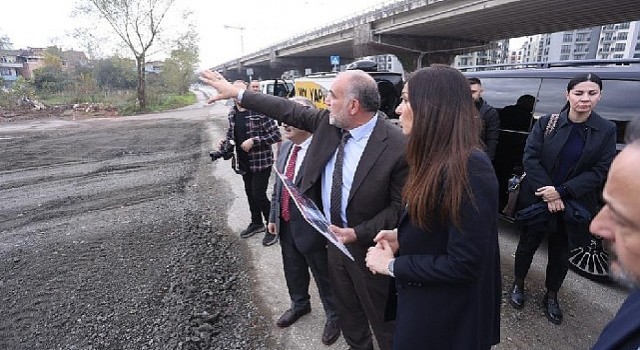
[(331, 333), (516, 297), (552, 309), (291, 316)]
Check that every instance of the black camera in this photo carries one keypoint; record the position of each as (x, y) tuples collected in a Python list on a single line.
[(225, 152)]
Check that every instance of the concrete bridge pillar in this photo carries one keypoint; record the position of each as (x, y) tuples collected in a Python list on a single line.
[(362, 37)]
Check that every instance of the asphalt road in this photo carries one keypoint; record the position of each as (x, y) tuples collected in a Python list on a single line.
[(587, 305)]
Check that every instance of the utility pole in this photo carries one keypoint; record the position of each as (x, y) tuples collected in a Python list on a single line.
[(241, 29)]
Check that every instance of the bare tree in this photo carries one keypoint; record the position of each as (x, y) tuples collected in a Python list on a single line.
[(5, 42), (138, 23)]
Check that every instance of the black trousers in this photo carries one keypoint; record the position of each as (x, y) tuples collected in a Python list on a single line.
[(255, 186), (558, 254), (361, 299), (296, 273)]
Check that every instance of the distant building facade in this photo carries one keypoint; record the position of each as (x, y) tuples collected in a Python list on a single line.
[(153, 67), (498, 53), (22, 63), (387, 63), (611, 41)]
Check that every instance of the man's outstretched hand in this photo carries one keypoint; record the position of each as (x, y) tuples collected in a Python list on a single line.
[(217, 81)]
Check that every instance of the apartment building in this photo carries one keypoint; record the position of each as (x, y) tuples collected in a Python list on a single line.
[(611, 41), (22, 63), (498, 53), (387, 63)]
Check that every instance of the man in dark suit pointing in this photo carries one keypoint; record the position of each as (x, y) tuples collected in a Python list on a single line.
[(370, 152)]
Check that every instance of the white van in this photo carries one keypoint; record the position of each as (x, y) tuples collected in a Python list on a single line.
[(277, 87)]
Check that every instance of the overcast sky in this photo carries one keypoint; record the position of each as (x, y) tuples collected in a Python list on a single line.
[(48, 22)]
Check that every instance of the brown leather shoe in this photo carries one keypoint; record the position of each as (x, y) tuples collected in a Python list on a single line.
[(291, 316), (331, 333)]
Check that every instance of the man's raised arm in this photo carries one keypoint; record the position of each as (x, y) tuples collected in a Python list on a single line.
[(217, 81)]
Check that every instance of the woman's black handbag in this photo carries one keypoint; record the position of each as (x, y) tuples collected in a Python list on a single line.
[(512, 201)]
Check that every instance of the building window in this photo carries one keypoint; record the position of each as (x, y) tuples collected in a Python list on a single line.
[(604, 56), (579, 57), (618, 55), (622, 35), (637, 55), (567, 38), (564, 57), (608, 36), (5, 72), (581, 37), (621, 46), (565, 49), (624, 25)]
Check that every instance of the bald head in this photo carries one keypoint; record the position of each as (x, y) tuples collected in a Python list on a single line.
[(362, 87)]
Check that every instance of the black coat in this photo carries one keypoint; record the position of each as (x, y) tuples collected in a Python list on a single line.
[(448, 280), (623, 332), (585, 181)]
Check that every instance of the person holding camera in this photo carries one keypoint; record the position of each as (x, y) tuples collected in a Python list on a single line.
[(253, 134)]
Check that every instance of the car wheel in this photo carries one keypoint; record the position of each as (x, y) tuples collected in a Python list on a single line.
[(590, 260)]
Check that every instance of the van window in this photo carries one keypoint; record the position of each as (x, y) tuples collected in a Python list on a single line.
[(501, 92), (551, 97)]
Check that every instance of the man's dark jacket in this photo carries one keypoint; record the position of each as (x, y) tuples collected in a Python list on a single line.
[(623, 332), (490, 127), (306, 238), (375, 201)]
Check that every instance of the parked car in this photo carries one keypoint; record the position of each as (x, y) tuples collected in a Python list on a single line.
[(540, 91)]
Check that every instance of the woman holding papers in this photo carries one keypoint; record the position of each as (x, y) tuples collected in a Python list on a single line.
[(444, 254)]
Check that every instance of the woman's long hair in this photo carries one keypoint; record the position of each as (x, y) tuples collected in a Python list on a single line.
[(445, 130)]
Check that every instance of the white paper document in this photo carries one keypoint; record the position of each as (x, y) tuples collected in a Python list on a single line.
[(312, 214)]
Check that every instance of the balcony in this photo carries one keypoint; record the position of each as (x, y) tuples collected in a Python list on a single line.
[(10, 65)]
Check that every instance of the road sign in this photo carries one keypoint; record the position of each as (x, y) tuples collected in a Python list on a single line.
[(335, 60), (249, 71)]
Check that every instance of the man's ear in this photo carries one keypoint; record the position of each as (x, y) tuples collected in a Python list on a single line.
[(354, 108)]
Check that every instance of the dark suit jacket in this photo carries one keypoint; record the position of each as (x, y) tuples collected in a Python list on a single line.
[(623, 332), (305, 237), (375, 199), (448, 280)]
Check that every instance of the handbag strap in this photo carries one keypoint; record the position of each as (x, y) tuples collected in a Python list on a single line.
[(553, 120)]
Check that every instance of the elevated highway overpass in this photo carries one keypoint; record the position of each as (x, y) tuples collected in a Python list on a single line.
[(421, 32)]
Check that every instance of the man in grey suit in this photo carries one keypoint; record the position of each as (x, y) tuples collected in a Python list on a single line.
[(371, 152), (303, 248)]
